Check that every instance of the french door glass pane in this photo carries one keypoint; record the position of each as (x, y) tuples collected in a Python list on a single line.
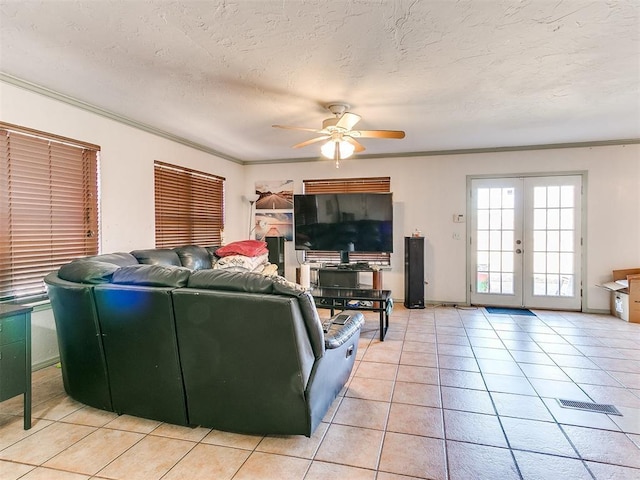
[(553, 196), (553, 218), (567, 196), (566, 218), (507, 218), (483, 219), (566, 241), (482, 283), (566, 263)]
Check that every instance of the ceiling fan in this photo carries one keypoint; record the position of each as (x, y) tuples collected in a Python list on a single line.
[(338, 134)]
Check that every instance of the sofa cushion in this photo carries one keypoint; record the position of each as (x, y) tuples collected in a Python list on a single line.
[(249, 248), (152, 276), (194, 257), (157, 256), (257, 283), (231, 281), (87, 271), (121, 259)]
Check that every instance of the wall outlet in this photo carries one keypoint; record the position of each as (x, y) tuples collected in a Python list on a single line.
[(456, 236)]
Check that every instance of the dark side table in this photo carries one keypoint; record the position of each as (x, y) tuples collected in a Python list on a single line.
[(356, 299), (15, 355)]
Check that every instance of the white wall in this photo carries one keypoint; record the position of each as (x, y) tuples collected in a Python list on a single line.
[(126, 180), (429, 190), (44, 344)]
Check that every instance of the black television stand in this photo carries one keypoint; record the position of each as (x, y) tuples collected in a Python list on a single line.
[(347, 276)]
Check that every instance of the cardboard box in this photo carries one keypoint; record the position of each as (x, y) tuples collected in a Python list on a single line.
[(625, 294)]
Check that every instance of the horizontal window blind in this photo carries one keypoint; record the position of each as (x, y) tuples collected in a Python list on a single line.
[(48, 207), (189, 206), (348, 185)]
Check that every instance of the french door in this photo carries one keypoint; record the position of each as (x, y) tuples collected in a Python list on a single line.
[(525, 244)]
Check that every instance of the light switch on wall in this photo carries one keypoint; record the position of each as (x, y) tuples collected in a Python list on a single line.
[(458, 218)]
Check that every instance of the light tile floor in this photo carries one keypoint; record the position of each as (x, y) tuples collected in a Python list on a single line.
[(450, 394)]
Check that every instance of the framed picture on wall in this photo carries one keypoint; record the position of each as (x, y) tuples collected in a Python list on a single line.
[(274, 224), (274, 195)]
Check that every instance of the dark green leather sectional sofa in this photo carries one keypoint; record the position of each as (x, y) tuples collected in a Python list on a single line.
[(159, 334)]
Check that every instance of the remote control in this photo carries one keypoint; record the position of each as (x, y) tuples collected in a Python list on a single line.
[(341, 319)]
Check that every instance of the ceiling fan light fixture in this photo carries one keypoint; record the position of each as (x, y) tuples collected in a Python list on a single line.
[(339, 137), (329, 149)]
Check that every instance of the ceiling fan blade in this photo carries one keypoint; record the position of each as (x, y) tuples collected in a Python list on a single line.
[(358, 146), (296, 128), (378, 133), (348, 120), (310, 142)]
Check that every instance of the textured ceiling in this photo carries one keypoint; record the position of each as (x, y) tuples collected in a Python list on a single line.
[(454, 75)]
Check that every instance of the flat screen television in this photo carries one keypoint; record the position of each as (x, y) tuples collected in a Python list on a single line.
[(344, 222)]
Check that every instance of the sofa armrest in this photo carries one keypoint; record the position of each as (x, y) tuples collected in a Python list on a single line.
[(336, 334)]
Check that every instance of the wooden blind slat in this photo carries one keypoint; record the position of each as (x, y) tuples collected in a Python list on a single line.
[(189, 206), (347, 185), (48, 207)]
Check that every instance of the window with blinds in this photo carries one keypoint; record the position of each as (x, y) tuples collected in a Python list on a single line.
[(348, 185), (48, 207), (189, 206)]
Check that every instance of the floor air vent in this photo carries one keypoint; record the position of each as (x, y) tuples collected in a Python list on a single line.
[(589, 406)]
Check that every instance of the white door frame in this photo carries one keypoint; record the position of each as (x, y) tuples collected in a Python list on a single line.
[(583, 225)]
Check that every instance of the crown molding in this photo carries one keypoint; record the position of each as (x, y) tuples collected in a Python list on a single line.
[(17, 82), (462, 151)]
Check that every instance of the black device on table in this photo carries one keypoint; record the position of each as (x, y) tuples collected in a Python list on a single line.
[(353, 266), (339, 319)]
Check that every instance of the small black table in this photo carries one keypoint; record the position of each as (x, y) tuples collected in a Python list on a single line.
[(15, 355), (352, 298)]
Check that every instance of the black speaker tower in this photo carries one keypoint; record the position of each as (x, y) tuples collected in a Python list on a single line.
[(414, 272), (275, 245)]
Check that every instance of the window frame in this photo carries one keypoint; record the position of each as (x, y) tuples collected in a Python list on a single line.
[(183, 200), (49, 207)]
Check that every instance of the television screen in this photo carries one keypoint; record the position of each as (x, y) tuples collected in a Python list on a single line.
[(345, 222)]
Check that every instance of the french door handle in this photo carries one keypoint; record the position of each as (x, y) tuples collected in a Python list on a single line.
[(518, 251)]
